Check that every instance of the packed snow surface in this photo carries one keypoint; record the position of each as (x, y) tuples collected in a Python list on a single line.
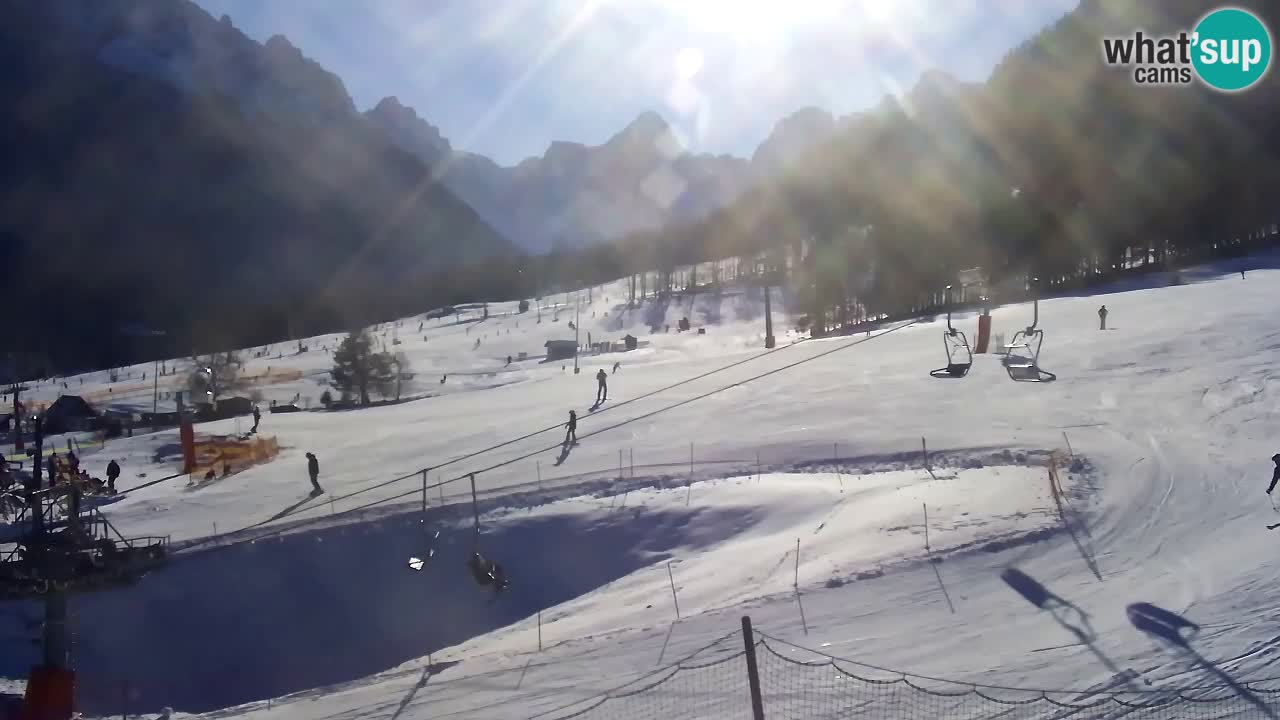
[(811, 510)]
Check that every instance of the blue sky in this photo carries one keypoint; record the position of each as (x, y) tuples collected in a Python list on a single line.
[(505, 78)]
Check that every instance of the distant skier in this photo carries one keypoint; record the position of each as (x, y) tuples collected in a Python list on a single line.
[(1275, 475), (602, 386), (1102, 317), (615, 367), (73, 462), (443, 378), (257, 418), (113, 472), (313, 469), (52, 467), (1242, 274), (571, 434)]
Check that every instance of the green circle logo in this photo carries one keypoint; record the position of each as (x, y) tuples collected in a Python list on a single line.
[(1231, 49)]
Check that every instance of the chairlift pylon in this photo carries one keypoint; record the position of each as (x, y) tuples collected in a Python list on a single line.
[(959, 354), (1022, 354)]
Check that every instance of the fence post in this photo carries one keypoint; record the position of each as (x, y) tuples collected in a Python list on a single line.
[(1069, 450), (924, 449), (753, 670), (539, 475), (835, 460), (539, 631), (424, 495), (674, 599)]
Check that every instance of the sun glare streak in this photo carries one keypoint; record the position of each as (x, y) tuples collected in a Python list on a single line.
[(576, 24)]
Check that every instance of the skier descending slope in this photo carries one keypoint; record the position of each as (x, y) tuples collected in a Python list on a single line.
[(602, 386), (571, 430), (1275, 475), (313, 470)]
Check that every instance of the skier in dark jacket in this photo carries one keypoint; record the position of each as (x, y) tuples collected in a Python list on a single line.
[(1275, 476), (602, 386), (1102, 318), (113, 472), (571, 434), (257, 418), (313, 469)]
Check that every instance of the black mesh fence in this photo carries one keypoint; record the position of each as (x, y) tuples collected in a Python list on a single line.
[(801, 683), (711, 683), (797, 683)]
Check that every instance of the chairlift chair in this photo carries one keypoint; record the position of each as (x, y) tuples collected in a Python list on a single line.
[(959, 354), (1022, 354), (484, 571)]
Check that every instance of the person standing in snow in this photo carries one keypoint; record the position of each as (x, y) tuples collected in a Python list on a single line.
[(1102, 318), (616, 366), (113, 472), (257, 418), (602, 386), (571, 434), (1275, 475), (313, 469)]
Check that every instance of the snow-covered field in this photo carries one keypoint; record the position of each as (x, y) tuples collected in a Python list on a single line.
[(1171, 413)]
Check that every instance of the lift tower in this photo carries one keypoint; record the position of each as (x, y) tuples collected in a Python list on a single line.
[(58, 548)]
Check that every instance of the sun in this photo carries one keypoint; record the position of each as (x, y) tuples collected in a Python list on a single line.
[(688, 63)]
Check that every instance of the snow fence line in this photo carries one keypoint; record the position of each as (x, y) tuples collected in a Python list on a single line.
[(758, 675), (416, 491)]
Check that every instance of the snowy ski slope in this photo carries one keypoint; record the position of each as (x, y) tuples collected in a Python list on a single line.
[(1173, 412)]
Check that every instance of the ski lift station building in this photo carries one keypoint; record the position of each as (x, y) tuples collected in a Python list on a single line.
[(561, 349)]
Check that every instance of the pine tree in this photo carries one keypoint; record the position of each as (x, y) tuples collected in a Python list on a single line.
[(357, 367)]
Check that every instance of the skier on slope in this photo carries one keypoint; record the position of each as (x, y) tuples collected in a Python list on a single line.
[(602, 386), (257, 418), (313, 469), (113, 472), (1102, 317), (571, 427), (1275, 475)]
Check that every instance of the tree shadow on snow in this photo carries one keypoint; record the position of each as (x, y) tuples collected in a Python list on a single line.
[(314, 609), (1178, 632)]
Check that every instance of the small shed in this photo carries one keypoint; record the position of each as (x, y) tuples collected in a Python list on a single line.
[(561, 349), (631, 342), (69, 413)]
